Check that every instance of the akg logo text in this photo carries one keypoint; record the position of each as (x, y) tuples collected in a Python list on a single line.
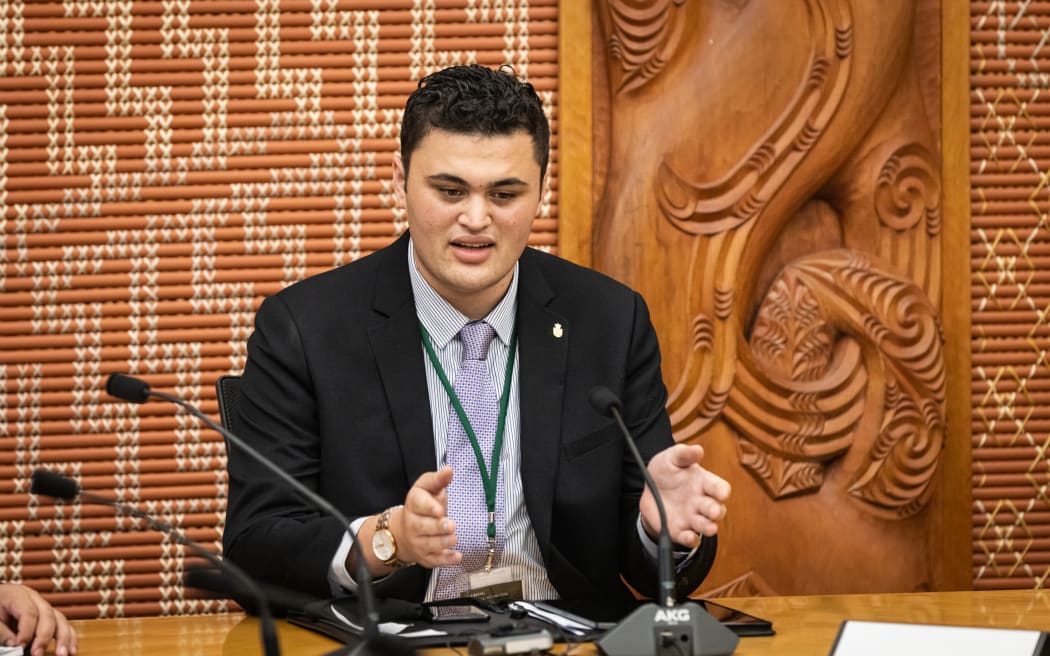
[(671, 615)]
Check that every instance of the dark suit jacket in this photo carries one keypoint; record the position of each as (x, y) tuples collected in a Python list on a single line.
[(334, 391)]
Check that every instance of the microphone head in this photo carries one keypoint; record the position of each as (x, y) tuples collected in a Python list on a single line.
[(603, 400), (50, 484), (127, 388)]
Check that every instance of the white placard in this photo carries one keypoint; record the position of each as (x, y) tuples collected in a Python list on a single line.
[(881, 638)]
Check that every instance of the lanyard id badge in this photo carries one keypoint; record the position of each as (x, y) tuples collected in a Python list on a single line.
[(489, 477)]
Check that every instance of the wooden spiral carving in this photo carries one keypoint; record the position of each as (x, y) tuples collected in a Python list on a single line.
[(909, 190), (779, 191), (816, 302)]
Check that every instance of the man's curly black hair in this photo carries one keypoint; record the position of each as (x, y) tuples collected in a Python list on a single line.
[(475, 100)]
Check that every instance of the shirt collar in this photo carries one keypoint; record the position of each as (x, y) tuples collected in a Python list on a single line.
[(444, 322)]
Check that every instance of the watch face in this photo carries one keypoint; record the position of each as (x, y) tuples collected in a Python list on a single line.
[(383, 544)]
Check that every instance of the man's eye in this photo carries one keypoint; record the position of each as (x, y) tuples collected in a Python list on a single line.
[(449, 192), (504, 196)]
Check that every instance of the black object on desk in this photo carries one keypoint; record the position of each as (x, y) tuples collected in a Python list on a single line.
[(415, 624), (738, 621), (338, 619)]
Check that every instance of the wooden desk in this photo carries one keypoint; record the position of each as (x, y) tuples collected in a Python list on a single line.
[(203, 635), (804, 625)]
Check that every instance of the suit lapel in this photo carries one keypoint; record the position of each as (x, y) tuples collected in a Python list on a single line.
[(542, 356), (398, 354)]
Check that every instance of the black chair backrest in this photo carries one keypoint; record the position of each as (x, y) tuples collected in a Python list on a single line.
[(228, 392)]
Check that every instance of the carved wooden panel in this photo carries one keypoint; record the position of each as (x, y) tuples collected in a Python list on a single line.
[(771, 184)]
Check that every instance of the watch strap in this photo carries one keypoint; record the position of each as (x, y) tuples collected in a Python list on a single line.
[(383, 524), (384, 519)]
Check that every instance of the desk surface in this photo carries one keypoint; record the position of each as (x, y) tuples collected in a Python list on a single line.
[(804, 625)]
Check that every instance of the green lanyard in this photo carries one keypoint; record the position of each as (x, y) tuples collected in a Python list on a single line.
[(488, 479)]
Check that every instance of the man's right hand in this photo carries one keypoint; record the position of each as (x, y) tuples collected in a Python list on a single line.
[(424, 532), (421, 527)]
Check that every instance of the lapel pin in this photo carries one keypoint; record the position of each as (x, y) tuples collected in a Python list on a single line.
[(558, 332)]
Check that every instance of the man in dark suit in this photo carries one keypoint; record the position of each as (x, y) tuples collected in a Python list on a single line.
[(349, 385)]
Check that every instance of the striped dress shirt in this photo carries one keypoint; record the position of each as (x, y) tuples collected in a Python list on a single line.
[(443, 322)]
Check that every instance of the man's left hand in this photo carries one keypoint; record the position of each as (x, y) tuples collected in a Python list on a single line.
[(693, 497)]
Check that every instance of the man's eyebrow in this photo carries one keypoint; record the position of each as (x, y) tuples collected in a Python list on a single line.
[(448, 178), (509, 182)]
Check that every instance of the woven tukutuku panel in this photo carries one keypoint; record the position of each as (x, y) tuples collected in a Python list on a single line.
[(164, 166), (1010, 255)]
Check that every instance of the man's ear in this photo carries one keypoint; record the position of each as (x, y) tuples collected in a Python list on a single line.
[(399, 179)]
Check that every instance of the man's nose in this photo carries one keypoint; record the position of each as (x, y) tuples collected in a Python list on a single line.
[(476, 213)]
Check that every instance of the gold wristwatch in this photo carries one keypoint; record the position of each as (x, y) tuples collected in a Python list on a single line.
[(384, 546)]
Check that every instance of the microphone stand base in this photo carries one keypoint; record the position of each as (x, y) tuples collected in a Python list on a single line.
[(679, 630)]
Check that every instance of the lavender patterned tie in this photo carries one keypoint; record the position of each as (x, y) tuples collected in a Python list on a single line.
[(466, 493)]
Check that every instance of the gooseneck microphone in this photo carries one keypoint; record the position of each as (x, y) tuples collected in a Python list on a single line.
[(667, 629), (605, 402), (58, 486), (137, 390), (214, 581)]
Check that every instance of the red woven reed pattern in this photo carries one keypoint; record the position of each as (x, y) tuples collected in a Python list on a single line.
[(1010, 249), (163, 167)]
